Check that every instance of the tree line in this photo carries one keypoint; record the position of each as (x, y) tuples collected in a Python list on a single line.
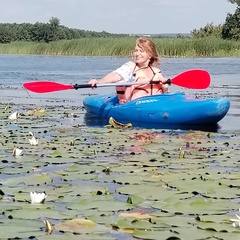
[(53, 31), (44, 32)]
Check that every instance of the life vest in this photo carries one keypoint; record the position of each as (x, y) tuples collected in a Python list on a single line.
[(128, 93)]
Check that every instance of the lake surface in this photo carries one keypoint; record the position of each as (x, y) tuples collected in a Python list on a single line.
[(18, 69)]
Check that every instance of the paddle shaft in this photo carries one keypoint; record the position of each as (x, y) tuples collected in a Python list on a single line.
[(77, 86)]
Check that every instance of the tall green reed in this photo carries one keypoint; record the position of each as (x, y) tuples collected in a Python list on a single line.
[(123, 46)]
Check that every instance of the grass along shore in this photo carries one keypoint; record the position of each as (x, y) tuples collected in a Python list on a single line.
[(167, 47)]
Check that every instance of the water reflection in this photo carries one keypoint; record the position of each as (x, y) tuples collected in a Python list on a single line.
[(95, 121)]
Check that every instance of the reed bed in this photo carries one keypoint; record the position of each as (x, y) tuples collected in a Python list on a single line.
[(123, 46)]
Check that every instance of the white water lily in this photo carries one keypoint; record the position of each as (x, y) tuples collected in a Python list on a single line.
[(236, 222), (33, 141), (38, 197), (17, 152), (14, 116)]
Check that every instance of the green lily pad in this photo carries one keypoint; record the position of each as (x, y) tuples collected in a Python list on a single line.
[(130, 182)]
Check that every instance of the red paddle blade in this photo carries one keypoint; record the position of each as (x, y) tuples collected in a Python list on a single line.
[(196, 79), (46, 86)]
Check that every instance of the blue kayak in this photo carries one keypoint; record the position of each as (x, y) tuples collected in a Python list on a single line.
[(169, 108)]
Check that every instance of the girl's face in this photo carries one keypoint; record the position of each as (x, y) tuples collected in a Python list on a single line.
[(141, 57)]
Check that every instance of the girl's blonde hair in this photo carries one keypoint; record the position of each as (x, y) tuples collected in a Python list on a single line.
[(149, 46)]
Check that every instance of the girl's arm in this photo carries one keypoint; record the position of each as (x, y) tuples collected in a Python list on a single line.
[(123, 74), (109, 78)]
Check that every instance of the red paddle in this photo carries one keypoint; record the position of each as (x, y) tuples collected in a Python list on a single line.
[(196, 79)]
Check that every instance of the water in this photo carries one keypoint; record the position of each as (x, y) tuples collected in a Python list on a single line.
[(17, 69)]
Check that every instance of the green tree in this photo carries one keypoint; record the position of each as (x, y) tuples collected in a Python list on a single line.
[(42, 32), (235, 1), (54, 25), (4, 34), (208, 31), (231, 27), (22, 32), (54, 22)]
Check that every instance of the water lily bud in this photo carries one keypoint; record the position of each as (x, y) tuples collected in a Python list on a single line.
[(17, 152), (14, 116)]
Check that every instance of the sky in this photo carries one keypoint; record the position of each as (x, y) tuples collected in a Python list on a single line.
[(120, 16)]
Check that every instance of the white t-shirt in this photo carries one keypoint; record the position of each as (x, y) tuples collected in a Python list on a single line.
[(125, 71)]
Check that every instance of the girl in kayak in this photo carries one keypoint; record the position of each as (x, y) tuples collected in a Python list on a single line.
[(142, 69)]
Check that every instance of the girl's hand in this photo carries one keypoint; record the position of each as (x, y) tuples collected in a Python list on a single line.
[(164, 85), (93, 83)]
